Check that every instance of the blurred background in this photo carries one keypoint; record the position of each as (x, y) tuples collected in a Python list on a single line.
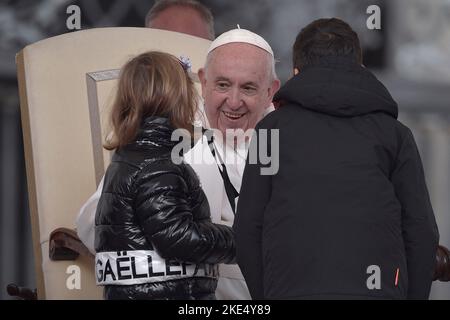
[(410, 54)]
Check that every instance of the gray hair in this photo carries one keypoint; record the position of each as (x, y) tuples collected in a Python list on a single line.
[(204, 12), (271, 61)]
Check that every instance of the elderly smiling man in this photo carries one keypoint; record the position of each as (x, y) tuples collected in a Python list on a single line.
[(238, 84), (238, 80)]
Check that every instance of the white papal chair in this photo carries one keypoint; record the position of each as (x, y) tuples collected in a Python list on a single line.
[(66, 85)]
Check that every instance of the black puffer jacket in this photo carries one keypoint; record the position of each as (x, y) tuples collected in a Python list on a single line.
[(156, 208), (348, 213)]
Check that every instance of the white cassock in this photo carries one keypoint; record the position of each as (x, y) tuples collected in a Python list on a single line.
[(231, 283)]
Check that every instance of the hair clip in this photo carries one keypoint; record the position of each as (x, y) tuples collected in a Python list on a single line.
[(186, 63)]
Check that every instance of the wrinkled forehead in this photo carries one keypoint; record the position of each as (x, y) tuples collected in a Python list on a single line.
[(239, 58)]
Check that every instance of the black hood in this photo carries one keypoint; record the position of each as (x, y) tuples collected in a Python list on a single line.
[(338, 86)]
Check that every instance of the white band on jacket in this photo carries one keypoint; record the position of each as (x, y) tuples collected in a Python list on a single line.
[(145, 266)]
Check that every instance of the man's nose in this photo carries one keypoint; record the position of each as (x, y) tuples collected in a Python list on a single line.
[(234, 99)]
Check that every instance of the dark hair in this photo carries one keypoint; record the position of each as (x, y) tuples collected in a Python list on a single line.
[(151, 84), (323, 38), (204, 12)]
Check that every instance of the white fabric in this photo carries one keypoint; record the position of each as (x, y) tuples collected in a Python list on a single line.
[(85, 222), (231, 283), (232, 289), (240, 35)]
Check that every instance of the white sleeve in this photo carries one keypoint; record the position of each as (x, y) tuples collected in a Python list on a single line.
[(85, 222)]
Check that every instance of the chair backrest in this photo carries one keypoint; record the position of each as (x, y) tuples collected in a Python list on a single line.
[(66, 85)]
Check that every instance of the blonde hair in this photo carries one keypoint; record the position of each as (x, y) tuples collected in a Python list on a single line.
[(151, 84)]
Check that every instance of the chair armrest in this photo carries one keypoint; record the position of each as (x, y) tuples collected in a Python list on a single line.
[(20, 292), (65, 245)]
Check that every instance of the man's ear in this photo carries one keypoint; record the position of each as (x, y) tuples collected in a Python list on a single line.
[(274, 88)]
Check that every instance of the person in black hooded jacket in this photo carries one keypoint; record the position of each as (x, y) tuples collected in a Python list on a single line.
[(347, 215), (153, 232)]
